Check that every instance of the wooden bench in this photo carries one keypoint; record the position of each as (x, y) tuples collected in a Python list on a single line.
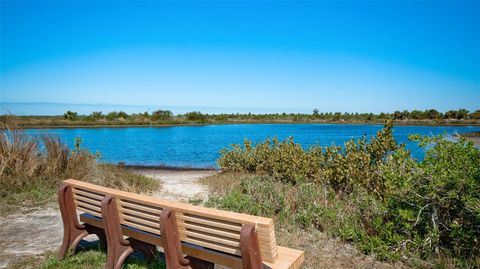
[(219, 237)]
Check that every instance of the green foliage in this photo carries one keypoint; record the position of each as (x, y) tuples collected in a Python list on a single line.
[(356, 162), (69, 115), (196, 116), (95, 115), (91, 258), (112, 115), (438, 198), (373, 193), (162, 115)]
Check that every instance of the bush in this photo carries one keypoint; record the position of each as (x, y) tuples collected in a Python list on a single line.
[(373, 193), (356, 162), (196, 116), (69, 115), (162, 115)]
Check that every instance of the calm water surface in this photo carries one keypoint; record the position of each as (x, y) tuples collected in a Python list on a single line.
[(198, 146)]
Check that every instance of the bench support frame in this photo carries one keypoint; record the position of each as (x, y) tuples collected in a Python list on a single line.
[(73, 231), (118, 247), (171, 241), (250, 248)]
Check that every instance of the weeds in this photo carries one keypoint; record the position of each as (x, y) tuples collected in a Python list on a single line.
[(32, 168)]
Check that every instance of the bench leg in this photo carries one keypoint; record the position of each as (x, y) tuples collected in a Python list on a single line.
[(147, 249), (102, 239), (73, 231), (250, 248), (200, 264), (171, 241), (118, 248)]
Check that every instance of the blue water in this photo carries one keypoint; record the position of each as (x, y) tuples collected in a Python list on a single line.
[(198, 146)]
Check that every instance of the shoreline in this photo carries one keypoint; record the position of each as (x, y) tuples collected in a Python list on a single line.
[(96, 126), (154, 168)]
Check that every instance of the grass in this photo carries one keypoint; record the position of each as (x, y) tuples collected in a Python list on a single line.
[(254, 194), (32, 169), (88, 257), (330, 228)]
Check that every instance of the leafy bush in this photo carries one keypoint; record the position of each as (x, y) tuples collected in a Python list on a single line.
[(162, 115), (69, 115), (373, 193), (196, 116), (356, 162)]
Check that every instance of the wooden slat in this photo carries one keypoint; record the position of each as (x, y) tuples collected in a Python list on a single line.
[(210, 237), (236, 228), (151, 217), (154, 211), (87, 200), (86, 210), (142, 227), (88, 206), (226, 249), (206, 229), (92, 195), (142, 221)]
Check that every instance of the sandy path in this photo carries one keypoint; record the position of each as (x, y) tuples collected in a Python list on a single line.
[(179, 186), (39, 231)]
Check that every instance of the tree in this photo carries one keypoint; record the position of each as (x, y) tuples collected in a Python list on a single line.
[(475, 115), (70, 115), (112, 115), (122, 114), (397, 115), (451, 114), (462, 114), (96, 115), (417, 115), (162, 115), (432, 114), (196, 116)]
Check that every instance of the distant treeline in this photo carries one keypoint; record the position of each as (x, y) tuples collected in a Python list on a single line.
[(163, 117)]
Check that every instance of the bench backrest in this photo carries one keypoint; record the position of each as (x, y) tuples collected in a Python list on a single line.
[(206, 227)]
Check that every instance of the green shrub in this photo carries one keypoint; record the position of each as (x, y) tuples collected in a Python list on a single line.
[(69, 115), (196, 116), (162, 115), (356, 162), (372, 193)]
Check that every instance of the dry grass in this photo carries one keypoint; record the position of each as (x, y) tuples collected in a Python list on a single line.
[(32, 168), (221, 183), (322, 251)]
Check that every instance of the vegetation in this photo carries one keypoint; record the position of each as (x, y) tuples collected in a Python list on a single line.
[(92, 257), (166, 117), (32, 168), (369, 192)]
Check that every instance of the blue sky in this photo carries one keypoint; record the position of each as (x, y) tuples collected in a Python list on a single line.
[(240, 56)]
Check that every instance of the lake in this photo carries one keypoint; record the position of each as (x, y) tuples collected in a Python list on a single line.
[(198, 146)]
